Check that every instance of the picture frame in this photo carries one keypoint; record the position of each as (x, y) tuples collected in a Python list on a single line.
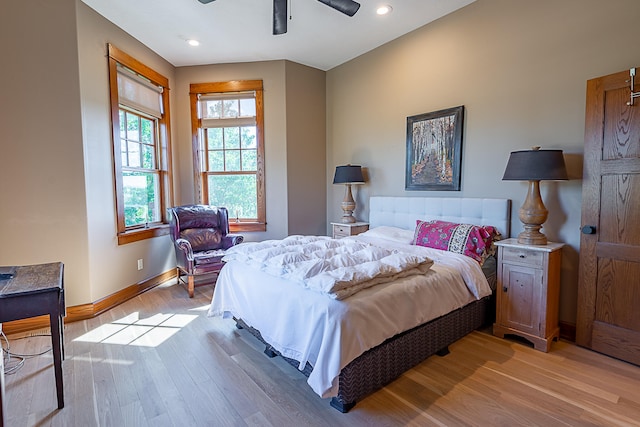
[(434, 150)]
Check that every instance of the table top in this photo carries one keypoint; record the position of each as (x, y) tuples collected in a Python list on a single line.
[(31, 279), (548, 247)]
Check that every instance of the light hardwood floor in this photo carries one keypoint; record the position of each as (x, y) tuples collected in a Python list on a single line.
[(198, 371)]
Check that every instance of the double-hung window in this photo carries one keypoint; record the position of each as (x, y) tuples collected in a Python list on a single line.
[(140, 116), (227, 120)]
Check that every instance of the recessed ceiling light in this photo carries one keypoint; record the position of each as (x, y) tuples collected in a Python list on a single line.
[(384, 10), (193, 42)]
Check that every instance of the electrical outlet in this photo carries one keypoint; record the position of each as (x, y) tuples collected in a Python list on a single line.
[(140, 264)]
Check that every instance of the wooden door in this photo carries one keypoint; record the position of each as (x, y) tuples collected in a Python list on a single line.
[(609, 287)]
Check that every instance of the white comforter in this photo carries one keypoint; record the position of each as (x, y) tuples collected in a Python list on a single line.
[(336, 268), (329, 333)]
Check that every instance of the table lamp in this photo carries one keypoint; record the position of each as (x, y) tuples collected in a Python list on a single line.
[(349, 174), (534, 166)]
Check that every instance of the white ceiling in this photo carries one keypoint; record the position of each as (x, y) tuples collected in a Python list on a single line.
[(241, 30)]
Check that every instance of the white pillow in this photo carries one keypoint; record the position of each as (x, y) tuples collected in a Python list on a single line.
[(395, 234)]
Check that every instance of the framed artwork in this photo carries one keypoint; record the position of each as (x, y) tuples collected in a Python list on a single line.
[(434, 150)]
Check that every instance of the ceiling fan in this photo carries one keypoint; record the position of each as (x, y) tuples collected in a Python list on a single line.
[(348, 7)]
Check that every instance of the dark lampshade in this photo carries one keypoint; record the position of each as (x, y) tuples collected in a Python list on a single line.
[(536, 165), (349, 174)]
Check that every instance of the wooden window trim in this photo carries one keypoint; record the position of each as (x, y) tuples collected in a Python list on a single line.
[(127, 234), (142, 234), (200, 177)]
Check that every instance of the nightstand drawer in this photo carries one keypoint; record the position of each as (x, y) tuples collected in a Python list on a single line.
[(341, 230), (523, 256)]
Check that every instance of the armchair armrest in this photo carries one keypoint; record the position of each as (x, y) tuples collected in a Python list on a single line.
[(231, 240), (184, 254)]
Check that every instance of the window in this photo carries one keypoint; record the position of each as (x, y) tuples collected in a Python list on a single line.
[(228, 150), (140, 116), (140, 176)]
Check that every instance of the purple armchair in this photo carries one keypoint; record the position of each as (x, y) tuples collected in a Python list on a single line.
[(200, 234)]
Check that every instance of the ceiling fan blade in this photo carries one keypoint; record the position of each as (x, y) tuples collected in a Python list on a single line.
[(348, 7), (205, 1), (279, 17)]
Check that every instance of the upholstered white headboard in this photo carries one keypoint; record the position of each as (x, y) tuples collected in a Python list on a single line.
[(404, 211)]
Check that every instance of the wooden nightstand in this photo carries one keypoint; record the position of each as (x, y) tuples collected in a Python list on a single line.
[(342, 229), (528, 292)]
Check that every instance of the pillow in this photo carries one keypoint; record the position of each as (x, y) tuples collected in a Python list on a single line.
[(473, 241), (395, 234), (202, 239)]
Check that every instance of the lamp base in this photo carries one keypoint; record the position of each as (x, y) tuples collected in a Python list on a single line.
[(348, 219), (533, 214), (347, 215), (532, 237), (348, 206)]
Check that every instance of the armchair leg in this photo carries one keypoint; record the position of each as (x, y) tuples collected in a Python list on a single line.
[(192, 286)]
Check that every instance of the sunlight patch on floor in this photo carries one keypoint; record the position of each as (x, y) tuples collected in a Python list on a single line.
[(132, 330), (108, 361)]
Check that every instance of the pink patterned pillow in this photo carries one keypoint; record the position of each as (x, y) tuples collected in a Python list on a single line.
[(471, 240)]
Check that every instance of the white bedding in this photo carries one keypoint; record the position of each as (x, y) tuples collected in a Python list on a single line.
[(310, 327), (336, 268)]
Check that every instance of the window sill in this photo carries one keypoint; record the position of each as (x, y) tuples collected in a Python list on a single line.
[(235, 227), (142, 234)]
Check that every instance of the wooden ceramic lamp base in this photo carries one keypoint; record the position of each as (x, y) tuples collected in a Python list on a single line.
[(348, 206), (533, 214)]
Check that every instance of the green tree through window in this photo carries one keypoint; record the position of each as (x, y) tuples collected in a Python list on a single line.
[(140, 177)]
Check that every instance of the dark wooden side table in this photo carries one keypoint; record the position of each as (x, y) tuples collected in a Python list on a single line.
[(38, 290)]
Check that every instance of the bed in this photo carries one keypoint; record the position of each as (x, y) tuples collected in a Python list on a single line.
[(368, 347)]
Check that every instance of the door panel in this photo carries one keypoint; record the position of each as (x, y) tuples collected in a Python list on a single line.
[(609, 287), (620, 130), (614, 293), (619, 209)]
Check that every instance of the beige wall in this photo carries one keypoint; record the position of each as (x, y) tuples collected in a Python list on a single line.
[(56, 182), (112, 267), (273, 79), (43, 216), (293, 107), (306, 149), (519, 68)]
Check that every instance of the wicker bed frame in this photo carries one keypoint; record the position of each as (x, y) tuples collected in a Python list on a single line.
[(384, 363)]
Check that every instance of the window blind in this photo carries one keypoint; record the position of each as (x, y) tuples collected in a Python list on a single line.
[(222, 122), (139, 94)]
